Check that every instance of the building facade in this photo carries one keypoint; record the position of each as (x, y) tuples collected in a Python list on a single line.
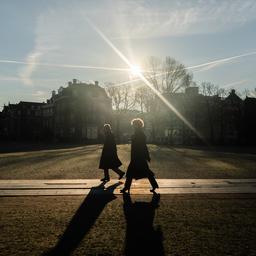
[(74, 113), (215, 120), (77, 112), (22, 121)]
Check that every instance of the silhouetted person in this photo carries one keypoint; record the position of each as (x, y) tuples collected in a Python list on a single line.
[(141, 236), (84, 219), (109, 158), (138, 167)]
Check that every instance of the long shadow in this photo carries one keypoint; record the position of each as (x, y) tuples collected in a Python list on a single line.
[(141, 236), (15, 147), (65, 154), (84, 219)]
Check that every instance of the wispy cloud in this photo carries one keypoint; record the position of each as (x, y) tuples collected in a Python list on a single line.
[(236, 83), (32, 64), (170, 18), (215, 63), (19, 79), (62, 34), (40, 95), (26, 72), (203, 67)]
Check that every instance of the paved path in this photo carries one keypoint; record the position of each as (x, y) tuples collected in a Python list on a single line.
[(83, 187)]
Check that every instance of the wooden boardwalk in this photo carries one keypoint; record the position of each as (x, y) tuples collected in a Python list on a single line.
[(84, 186)]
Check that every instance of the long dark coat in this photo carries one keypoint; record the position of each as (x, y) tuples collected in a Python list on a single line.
[(109, 158), (138, 167)]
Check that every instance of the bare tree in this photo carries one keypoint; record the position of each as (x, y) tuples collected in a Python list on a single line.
[(167, 76), (115, 95), (144, 98), (123, 97), (175, 76), (128, 97)]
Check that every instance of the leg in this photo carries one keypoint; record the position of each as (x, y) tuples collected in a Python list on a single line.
[(127, 184), (106, 175), (153, 182), (119, 172)]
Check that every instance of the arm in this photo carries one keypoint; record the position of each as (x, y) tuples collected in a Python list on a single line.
[(146, 152)]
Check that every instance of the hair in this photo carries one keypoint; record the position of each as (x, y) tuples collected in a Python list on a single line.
[(107, 128), (137, 123)]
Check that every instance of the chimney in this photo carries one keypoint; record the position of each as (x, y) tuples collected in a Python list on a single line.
[(74, 81), (96, 83), (53, 93), (60, 90)]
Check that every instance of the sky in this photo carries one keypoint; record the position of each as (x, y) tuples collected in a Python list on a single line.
[(45, 44)]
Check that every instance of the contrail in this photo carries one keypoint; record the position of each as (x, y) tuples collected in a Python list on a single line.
[(211, 63), (65, 65), (16, 78), (234, 83), (222, 60), (141, 76)]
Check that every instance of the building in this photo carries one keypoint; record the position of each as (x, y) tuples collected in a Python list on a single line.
[(22, 121), (74, 113), (1, 126), (249, 120), (77, 112), (198, 110), (231, 119), (215, 120)]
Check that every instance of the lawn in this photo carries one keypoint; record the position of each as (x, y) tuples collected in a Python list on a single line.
[(81, 162), (98, 225)]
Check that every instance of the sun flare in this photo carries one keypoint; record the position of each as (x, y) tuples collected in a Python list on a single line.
[(135, 70)]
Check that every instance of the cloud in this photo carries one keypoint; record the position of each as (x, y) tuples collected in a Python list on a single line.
[(40, 95), (32, 64), (215, 63), (26, 72), (42, 46), (62, 34), (235, 83), (141, 19), (10, 78), (203, 67)]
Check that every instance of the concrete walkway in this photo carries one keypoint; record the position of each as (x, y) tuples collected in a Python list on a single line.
[(166, 186)]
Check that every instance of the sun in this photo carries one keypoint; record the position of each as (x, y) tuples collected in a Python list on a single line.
[(135, 70)]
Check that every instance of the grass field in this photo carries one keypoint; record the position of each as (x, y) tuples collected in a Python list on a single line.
[(196, 224), (181, 225), (81, 162)]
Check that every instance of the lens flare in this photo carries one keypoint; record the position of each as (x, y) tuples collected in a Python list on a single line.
[(135, 70), (142, 77)]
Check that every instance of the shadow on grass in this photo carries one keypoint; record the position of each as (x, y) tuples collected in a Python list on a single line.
[(47, 156), (141, 236), (16, 147), (84, 219)]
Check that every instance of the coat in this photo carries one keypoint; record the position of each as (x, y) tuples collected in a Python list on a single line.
[(109, 158), (138, 167)]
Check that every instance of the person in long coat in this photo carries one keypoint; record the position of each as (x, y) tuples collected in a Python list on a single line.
[(138, 167), (109, 158)]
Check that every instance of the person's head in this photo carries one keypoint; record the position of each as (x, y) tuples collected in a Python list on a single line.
[(107, 128), (137, 123)]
